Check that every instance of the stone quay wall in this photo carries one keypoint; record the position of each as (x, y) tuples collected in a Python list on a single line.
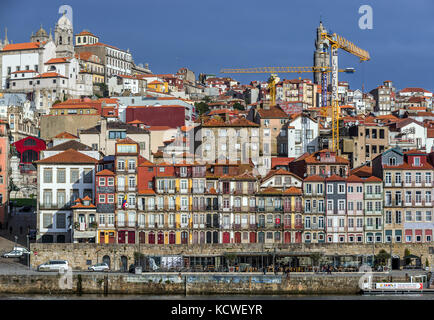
[(154, 284), (79, 254)]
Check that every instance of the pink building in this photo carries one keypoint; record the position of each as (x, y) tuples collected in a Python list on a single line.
[(354, 209), (4, 177)]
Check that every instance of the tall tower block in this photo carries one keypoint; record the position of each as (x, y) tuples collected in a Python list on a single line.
[(321, 56)]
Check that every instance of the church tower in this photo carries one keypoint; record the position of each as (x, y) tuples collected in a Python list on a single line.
[(321, 56), (40, 36), (63, 38)]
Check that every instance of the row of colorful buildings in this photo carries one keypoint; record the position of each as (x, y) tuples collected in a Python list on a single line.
[(127, 199)]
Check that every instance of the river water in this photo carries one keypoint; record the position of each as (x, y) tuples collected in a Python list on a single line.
[(213, 297)]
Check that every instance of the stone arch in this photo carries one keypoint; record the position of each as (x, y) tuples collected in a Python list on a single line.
[(106, 259)]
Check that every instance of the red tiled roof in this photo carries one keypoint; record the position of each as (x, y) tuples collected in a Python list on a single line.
[(50, 75), (65, 135), (314, 178), (373, 179), (85, 33), (24, 71), (412, 89), (68, 156), (293, 190), (274, 112), (105, 172), (22, 46), (280, 161), (270, 190), (354, 178), (57, 60), (335, 178)]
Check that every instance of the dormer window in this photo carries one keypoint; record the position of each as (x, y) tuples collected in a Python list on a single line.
[(392, 161), (416, 161)]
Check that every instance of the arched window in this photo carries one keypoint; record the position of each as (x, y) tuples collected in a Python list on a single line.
[(151, 238), (60, 39), (29, 156), (392, 161)]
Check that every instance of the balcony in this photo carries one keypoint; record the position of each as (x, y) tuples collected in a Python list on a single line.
[(236, 208), (237, 226), (298, 226), (253, 226)]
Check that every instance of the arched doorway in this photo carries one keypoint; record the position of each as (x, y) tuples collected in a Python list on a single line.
[(396, 263), (124, 264), (106, 259)]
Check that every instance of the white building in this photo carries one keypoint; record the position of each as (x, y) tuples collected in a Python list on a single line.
[(303, 135), (28, 57), (62, 179), (408, 134)]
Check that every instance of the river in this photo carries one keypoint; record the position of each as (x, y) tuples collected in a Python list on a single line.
[(213, 297)]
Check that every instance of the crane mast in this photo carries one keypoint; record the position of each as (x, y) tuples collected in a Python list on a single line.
[(336, 42)]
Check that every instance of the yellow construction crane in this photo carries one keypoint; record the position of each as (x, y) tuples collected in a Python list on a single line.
[(336, 42), (274, 79)]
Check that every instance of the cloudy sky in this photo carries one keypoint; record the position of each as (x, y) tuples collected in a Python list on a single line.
[(206, 35)]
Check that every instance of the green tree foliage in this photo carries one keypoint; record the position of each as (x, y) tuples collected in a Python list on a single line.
[(238, 106), (201, 107), (382, 257)]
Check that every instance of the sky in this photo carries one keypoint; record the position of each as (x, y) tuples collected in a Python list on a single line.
[(206, 35)]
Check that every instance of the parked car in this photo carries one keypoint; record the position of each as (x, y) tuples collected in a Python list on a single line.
[(23, 250), (99, 267), (13, 254), (54, 265)]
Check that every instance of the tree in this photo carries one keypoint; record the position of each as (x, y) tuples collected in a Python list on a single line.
[(316, 258), (382, 257), (201, 107), (238, 106), (406, 254)]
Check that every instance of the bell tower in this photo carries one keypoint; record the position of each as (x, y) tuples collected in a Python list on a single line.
[(63, 37)]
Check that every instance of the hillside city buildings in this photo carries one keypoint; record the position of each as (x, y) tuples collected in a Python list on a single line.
[(114, 153)]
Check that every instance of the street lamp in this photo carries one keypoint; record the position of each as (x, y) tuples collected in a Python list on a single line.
[(16, 239), (28, 248)]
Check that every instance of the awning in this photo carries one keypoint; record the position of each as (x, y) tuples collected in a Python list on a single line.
[(84, 234), (411, 256)]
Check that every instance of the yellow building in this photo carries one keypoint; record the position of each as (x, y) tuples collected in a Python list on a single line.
[(158, 86)]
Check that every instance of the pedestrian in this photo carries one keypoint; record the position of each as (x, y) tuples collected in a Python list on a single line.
[(264, 270)]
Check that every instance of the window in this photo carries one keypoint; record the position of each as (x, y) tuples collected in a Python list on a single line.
[(392, 161), (418, 216), (117, 135), (341, 205), (398, 177), (388, 178), (408, 177), (329, 188), (428, 177), (388, 216), (101, 198), (110, 198), (341, 188), (398, 217), (408, 216), (87, 176), (110, 181), (329, 205), (48, 175), (61, 176), (61, 198), (418, 177), (47, 220), (102, 181)]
